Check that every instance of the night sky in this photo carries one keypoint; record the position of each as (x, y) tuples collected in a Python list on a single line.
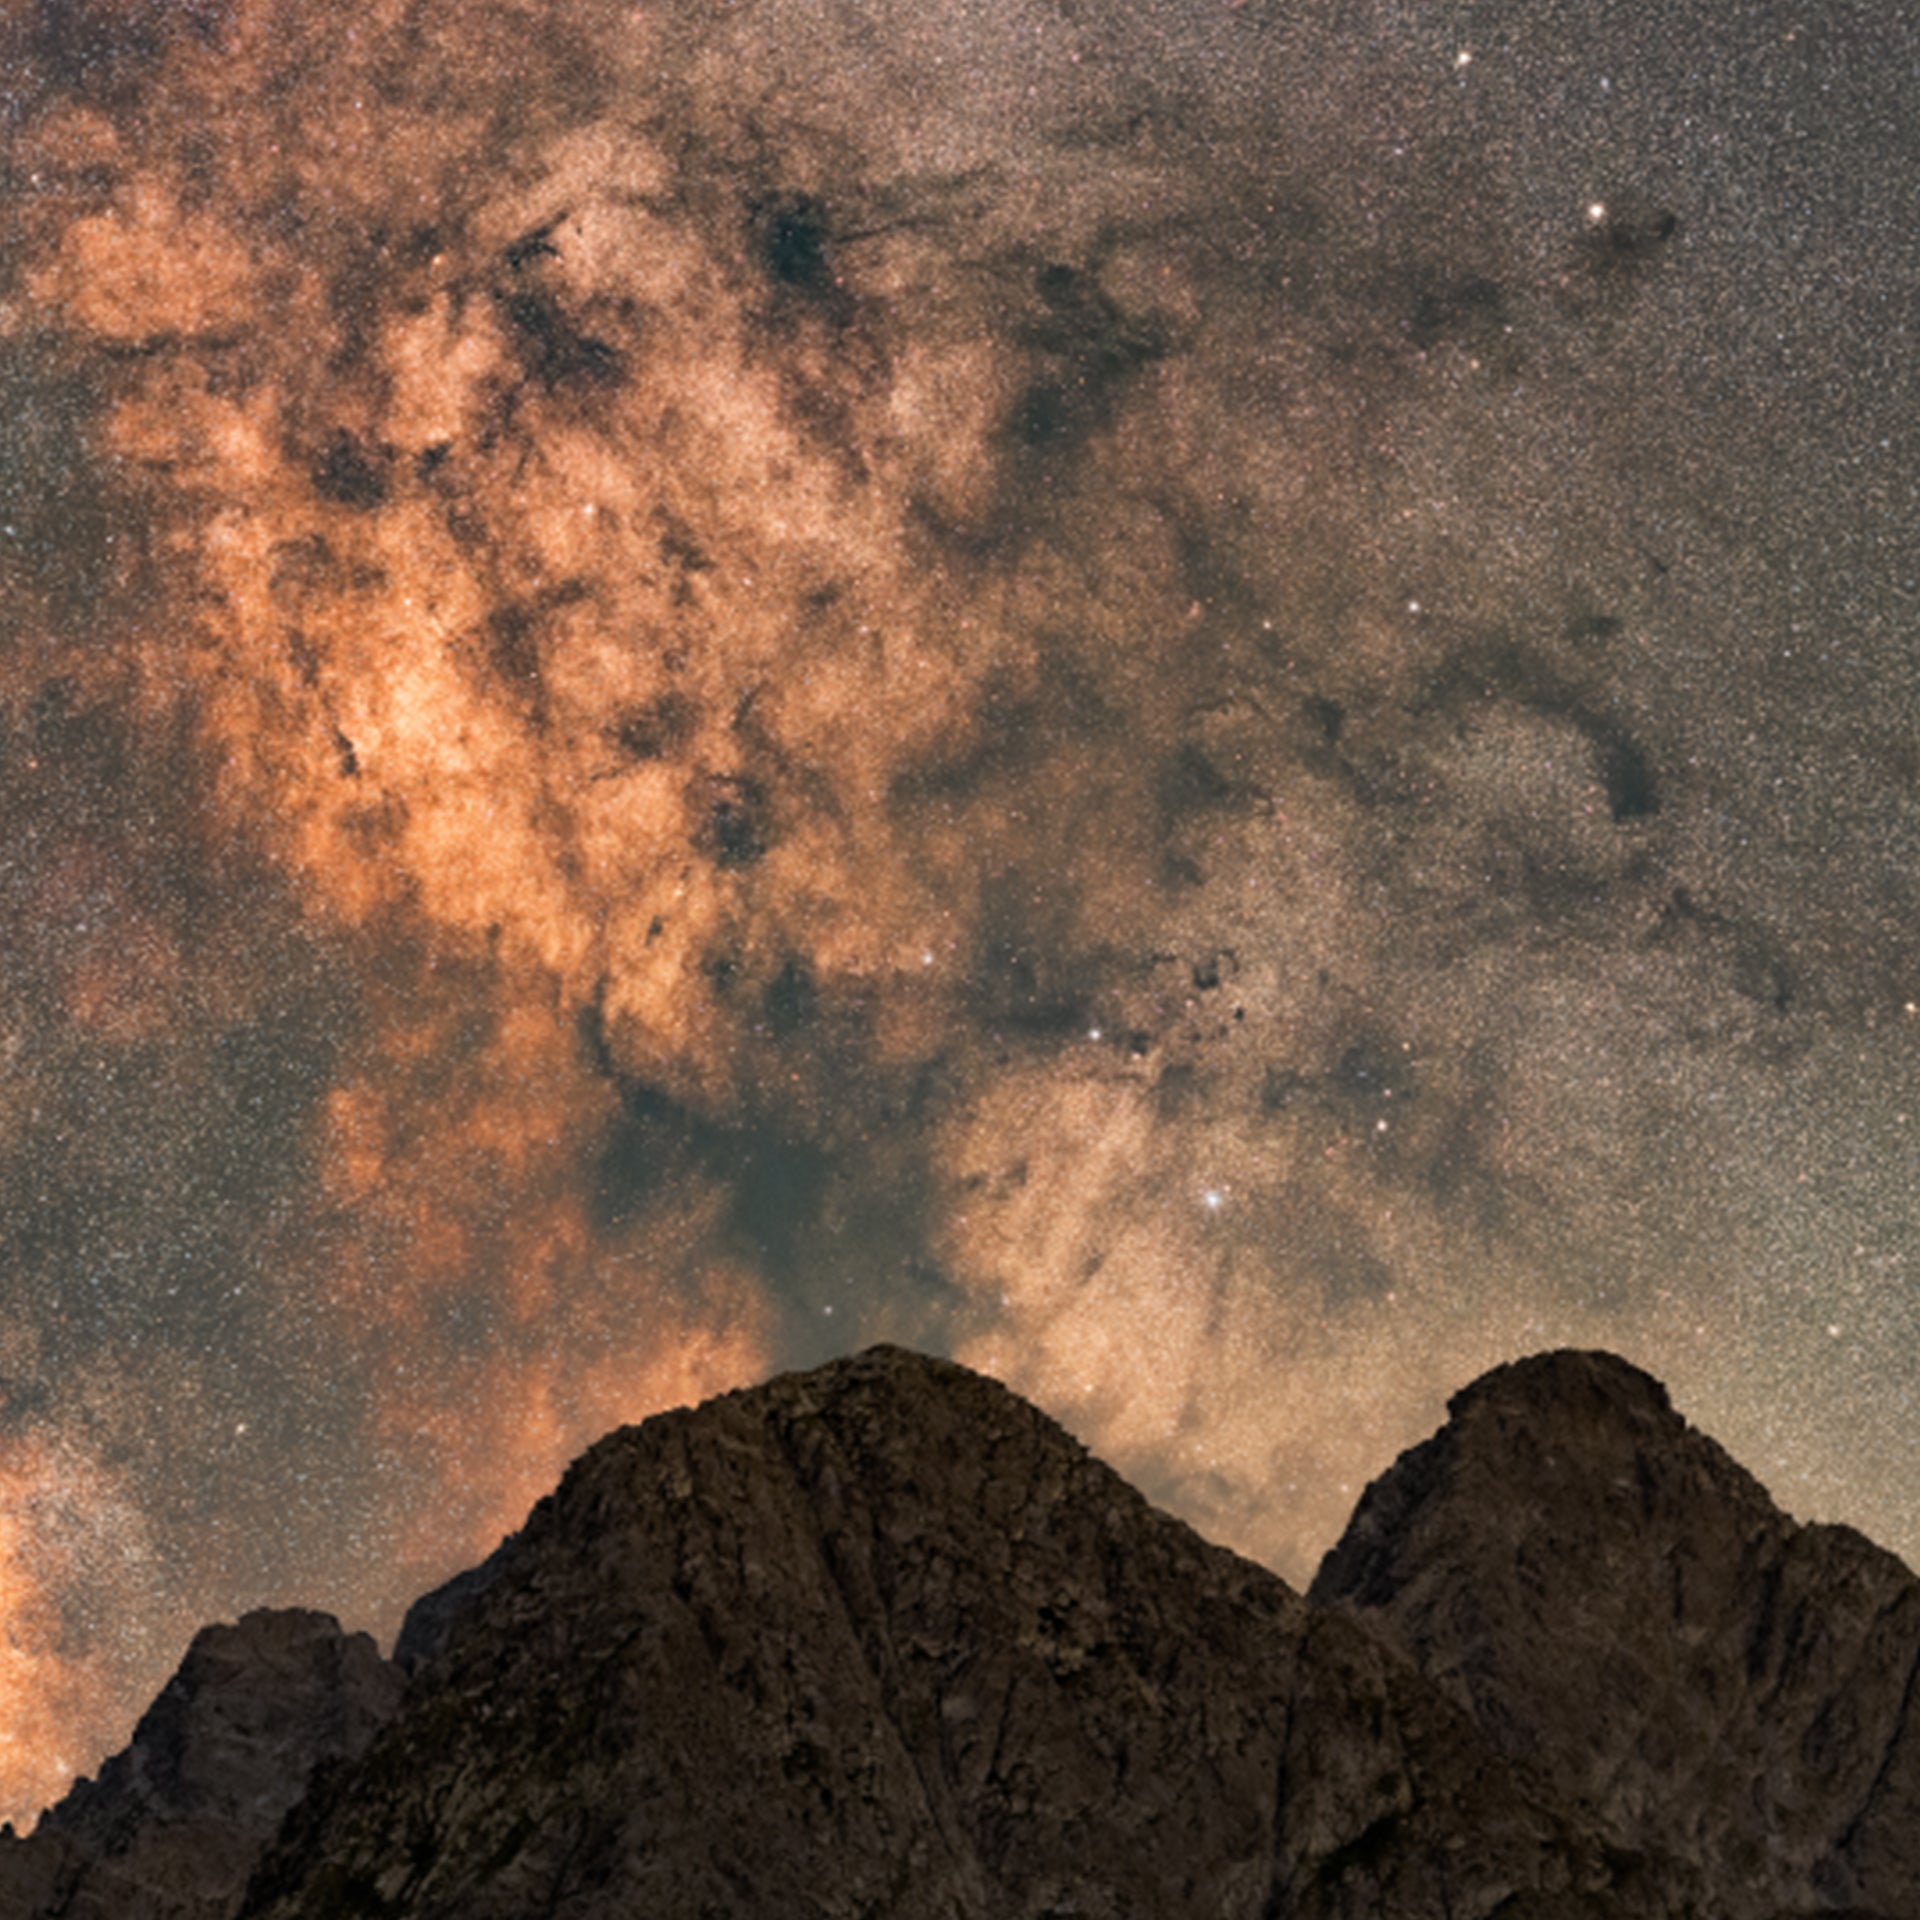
[(1212, 704)]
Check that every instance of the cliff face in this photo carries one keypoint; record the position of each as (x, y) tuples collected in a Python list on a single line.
[(883, 1640), (175, 1822), (1623, 1610)]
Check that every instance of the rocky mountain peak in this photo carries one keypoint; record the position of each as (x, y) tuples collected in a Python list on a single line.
[(221, 1739), (174, 1821), (1577, 1451), (910, 1431), (1571, 1387), (1626, 1613)]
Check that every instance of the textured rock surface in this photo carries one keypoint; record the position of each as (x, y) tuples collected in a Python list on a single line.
[(1623, 1609), (174, 1824), (882, 1640), (430, 1619)]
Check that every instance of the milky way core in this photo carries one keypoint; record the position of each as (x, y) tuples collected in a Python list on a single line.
[(1212, 704)]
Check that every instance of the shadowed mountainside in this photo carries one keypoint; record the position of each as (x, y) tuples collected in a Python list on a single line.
[(176, 1821)]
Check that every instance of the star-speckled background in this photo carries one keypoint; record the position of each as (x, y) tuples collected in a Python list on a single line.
[(1211, 703)]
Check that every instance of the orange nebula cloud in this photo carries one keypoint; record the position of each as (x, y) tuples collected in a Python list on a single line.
[(494, 1437), (62, 1526)]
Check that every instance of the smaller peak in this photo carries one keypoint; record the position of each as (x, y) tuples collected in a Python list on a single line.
[(1589, 1379), (1571, 1442), (254, 1705), (271, 1627), (885, 1365), (280, 1641), (885, 1358)]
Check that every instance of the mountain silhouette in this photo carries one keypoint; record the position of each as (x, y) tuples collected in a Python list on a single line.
[(1621, 1608)]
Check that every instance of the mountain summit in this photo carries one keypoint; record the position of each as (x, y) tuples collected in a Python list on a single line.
[(1622, 1609), (883, 1640)]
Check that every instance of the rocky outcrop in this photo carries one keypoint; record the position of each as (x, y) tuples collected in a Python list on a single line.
[(882, 1639), (1623, 1611), (423, 1633), (175, 1823)]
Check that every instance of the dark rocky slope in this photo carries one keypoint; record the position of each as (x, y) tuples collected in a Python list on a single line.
[(1623, 1610), (175, 1823)]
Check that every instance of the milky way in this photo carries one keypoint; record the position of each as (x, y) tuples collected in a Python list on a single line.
[(1212, 704)]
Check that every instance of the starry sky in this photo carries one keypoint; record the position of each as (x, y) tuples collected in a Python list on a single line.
[(1213, 704)]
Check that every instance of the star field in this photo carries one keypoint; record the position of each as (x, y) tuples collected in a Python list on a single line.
[(1212, 704)]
